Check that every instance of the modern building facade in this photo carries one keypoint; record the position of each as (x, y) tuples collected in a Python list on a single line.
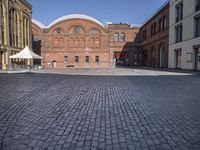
[(151, 45), (81, 41), (184, 34), (15, 29)]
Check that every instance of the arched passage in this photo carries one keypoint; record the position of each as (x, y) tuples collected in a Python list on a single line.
[(153, 57)]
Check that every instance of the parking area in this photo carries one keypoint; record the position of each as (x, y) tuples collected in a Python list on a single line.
[(60, 111)]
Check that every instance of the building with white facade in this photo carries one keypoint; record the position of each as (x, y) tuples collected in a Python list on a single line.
[(184, 34)]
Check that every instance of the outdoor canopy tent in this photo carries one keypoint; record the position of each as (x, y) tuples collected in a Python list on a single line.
[(26, 53)]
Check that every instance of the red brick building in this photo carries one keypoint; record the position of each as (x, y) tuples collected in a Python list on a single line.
[(82, 41), (151, 45)]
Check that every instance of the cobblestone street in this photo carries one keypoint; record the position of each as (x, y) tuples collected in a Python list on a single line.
[(51, 111)]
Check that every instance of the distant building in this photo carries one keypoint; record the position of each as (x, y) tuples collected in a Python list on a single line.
[(151, 45), (83, 42), (184, 34), (15, 29)]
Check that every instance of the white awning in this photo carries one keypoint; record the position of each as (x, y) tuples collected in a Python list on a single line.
[(26, 53)]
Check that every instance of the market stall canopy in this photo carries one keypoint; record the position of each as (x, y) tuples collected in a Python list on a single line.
[(26, 53)]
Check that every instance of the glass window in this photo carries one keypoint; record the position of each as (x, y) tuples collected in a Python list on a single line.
[(179, 12), (87, 60), (77, 30), (179, 32), (154, 28), (97, 59), (58, 30), (164, 24), (197, 26), (76, 59), (122, 37), (116, 37), (65, 59)]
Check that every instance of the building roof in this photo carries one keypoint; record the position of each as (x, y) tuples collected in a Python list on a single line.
[(38, 23), (68, 17), (163, 6)]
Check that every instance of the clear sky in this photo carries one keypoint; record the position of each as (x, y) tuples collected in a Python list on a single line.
[(116, 11)]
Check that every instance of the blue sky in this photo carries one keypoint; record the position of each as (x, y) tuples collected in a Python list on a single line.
[(116, 11)]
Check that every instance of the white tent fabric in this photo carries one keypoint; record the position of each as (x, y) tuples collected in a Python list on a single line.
[(26, 53)]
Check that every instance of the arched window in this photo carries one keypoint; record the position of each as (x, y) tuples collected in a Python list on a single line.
[(164, 24), (122, 37), (116, 37), (160, 25), (155, 27), (58, 31), (77, 29)]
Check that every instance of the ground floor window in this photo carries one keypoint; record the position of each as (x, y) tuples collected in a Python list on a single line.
[(197, 58), (87, 59), (76, 59), (65, 59), (97, 60)]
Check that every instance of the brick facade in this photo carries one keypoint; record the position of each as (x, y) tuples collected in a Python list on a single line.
[(152, 41), (81, 42)]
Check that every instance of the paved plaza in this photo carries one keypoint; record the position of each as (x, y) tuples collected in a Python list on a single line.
[(145, 110)]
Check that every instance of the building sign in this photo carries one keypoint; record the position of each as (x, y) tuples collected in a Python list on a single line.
[(121, 55)]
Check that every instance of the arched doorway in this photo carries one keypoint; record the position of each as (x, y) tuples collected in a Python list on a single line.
[(54, 63), (153, 57), (162, 56)]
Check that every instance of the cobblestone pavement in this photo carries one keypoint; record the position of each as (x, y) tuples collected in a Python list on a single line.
[(50, 111)]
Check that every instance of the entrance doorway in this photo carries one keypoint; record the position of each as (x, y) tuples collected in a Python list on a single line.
[(197, 59), (144, 58), (54, 64), (121, 58), (162, 57), (178, 58)]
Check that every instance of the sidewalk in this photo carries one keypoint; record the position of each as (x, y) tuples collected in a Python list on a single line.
[(116, 71)]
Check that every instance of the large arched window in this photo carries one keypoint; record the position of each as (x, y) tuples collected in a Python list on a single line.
[(122, 37), (116, 37), (58, 31)]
